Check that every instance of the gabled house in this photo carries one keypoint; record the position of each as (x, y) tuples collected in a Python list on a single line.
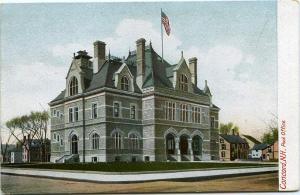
[(265, 151), (257, 151), (232, 147), (138, 108)]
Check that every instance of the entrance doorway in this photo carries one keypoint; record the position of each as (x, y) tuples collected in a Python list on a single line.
[(74, 144), (183, 145)]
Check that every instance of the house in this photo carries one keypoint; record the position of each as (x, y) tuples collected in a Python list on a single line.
[(251, 140), (232, 147), (16, 156), (138, 108), (274, 151), (271, 152), (36, 151), (257, 151)]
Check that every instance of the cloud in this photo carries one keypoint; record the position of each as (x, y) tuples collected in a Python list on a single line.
[(28, 87), (228, 69)]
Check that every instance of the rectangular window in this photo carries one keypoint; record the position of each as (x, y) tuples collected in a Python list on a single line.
[(61, 142), (94, 159), (94, 110), (116, 109), (54, 136), (212, 122), (222, 154), (221, 140), (170, 110), (76, 113), (196, 114), (132, 112), (183, 113), (223, 147), (204, 116), (54, 113), (71, 115)]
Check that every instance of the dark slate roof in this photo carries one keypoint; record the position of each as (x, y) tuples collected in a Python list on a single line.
[(252, 139), (233, 139), (260, 146), (214, 106), (157, 73), (60, 96)]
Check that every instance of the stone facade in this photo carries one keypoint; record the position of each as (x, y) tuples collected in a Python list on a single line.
[(136, 109)]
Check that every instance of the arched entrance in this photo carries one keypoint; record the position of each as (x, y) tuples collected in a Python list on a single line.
[(183, 145), (170, 144), (197, 146), (74, 144)]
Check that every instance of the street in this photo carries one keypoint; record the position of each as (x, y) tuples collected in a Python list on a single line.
[(33, 185)]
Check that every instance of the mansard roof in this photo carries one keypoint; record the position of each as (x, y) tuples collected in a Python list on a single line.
[(158, 73)]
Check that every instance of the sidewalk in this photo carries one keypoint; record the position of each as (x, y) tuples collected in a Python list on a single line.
[(128, 178)]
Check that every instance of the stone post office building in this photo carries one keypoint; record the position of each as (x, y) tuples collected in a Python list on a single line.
[(139, 108)]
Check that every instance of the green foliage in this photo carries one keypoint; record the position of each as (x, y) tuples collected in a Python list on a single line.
[(227, 128)]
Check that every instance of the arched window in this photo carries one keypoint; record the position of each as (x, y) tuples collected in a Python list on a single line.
[(73, 88), (183, 83), (170, 143), (117, 138), (95, 141), (124, 83), (133, 142), (197, 145)]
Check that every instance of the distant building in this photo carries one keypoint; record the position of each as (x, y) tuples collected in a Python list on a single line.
[(139, 108), (233, 147), (257, 151), (251, 140), (271, 152), (39, 152), (265, 151), (16, 157)]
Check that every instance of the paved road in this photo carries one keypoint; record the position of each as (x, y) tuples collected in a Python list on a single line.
[(32, 185)]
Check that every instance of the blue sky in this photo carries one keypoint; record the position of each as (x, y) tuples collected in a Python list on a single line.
[(235, 43)]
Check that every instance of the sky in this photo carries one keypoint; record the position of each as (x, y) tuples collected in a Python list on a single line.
[(235, 43)]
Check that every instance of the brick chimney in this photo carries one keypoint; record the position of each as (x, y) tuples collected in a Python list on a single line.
[(99, 55), (193, 69), (140, 61)]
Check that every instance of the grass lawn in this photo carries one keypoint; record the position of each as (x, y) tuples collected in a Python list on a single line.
[(138, 166)]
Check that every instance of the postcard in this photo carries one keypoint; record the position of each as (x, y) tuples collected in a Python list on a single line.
[(149, 97)]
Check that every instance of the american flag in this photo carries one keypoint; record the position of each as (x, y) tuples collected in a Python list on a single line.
[(165, 22)]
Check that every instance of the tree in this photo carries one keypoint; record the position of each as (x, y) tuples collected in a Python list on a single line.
[(33, 125), (229, 128), (271, 135)]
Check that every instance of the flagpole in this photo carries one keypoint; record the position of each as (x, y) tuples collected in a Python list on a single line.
[(162, 37)]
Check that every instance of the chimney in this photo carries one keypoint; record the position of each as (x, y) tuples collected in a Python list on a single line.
[(193, 69), (99, 55), (140, 60)]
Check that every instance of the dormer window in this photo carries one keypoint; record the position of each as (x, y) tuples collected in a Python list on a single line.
[(124, 83), (73, 88), (183, 83)]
